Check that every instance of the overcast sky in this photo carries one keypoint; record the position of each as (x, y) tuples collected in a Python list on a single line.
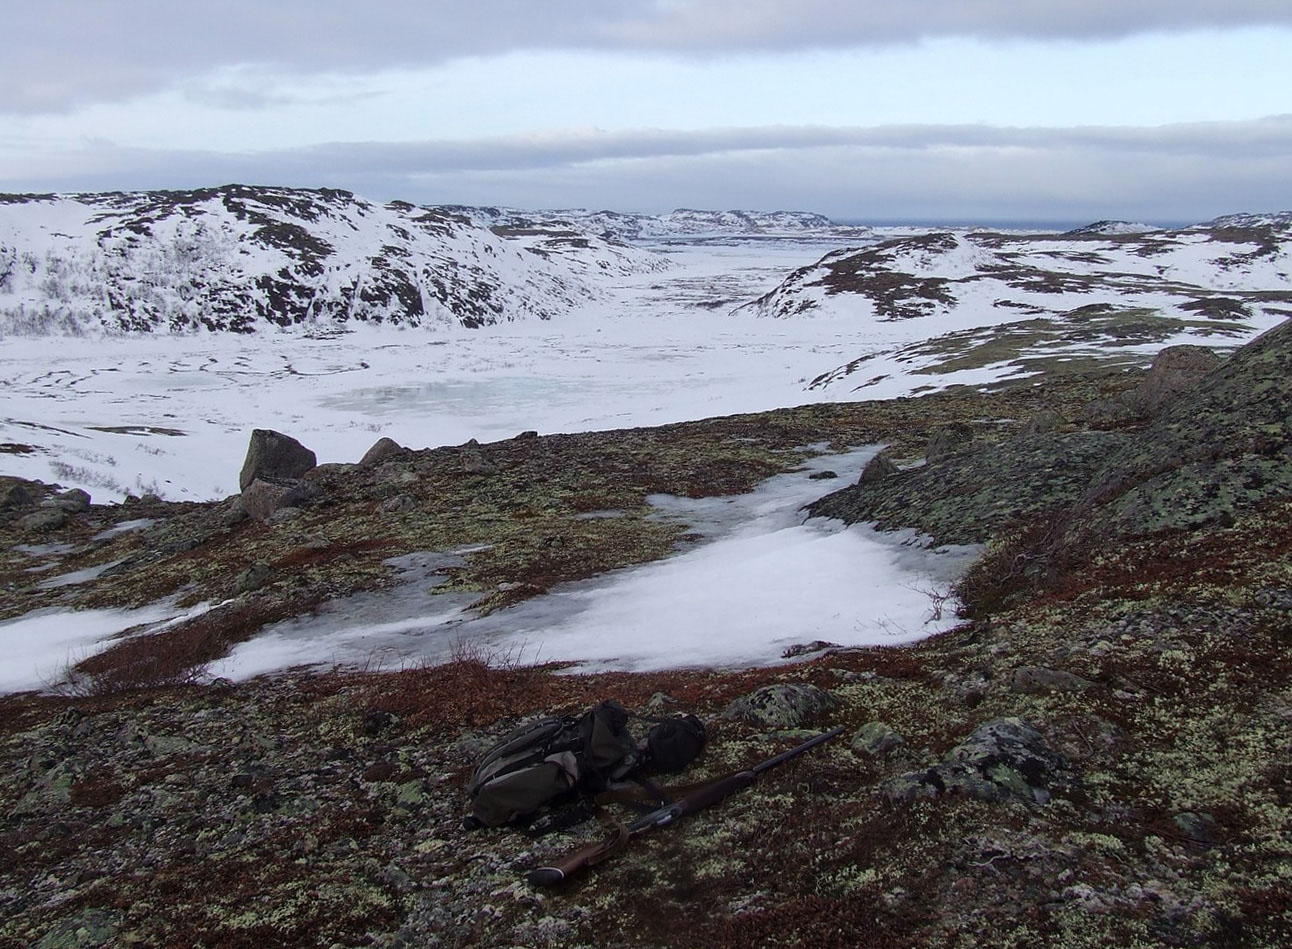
[(882, 110)]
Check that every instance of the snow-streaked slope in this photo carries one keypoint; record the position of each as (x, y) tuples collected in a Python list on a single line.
[(1278, 219), (946, 295), (243, 258)]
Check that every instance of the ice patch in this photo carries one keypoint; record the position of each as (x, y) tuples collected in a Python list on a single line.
[(36, 648), (761, 579)]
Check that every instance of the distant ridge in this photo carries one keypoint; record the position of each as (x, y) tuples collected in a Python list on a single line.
[(1266, 219), (239, 258), (1112, 227)]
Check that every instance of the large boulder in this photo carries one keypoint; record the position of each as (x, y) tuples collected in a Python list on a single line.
[(966, 497), (46, 519), (878, 468), (261, 499), (1175, 371), (385, 449), (273, 456), (16, 498), (74, 501)]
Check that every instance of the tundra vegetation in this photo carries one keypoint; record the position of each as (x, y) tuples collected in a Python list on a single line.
[(1098, 755)]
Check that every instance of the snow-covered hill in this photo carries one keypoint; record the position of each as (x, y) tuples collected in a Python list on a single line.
[(987, 299), (1277, 219), (240, 258)]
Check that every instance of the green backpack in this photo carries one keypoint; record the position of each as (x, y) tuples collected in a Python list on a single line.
[(559, 760)]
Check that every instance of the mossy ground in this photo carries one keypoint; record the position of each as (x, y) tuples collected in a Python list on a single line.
[(323, 809)]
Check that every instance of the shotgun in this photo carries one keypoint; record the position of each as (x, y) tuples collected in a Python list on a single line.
[(707, 794)]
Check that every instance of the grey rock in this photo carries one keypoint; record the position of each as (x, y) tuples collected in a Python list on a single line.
[(1038, 679), (1006, 759), (273, 456), (89, 928), (473, 460), (385, 449), (46, 519), (947, 440), (1175, 371), (876, 739), (781, 705), (262, 498), (74, 501), (1043, 422), (400, 502), (16, 498), (878, 468), (254, 577)]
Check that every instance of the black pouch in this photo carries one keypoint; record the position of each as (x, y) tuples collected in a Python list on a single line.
[(673, 744)]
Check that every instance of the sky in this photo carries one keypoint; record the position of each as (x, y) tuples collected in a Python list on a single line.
[(1165, 111)]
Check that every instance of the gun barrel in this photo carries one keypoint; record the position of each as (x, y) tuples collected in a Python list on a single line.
[(797, 750)]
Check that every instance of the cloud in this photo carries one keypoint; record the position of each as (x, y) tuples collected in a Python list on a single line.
[(62, 53), (1166, 173)]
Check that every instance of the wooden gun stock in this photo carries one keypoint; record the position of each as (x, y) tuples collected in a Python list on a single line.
[(577, 860)]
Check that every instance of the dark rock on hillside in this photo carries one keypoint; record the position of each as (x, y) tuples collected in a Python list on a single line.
[(273, 456), (385, 449), (878, 468), (74, 501), (15, 498), (1175, 371), (46, 519)]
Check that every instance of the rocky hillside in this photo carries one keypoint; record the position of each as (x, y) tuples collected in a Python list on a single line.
[(240, 258), (681, 224), (1037, 301), (1097, 756)]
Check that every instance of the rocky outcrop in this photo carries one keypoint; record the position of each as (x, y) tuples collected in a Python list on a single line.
[(968, 496), (74, 501), (1222, 441), (1223, 446)]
